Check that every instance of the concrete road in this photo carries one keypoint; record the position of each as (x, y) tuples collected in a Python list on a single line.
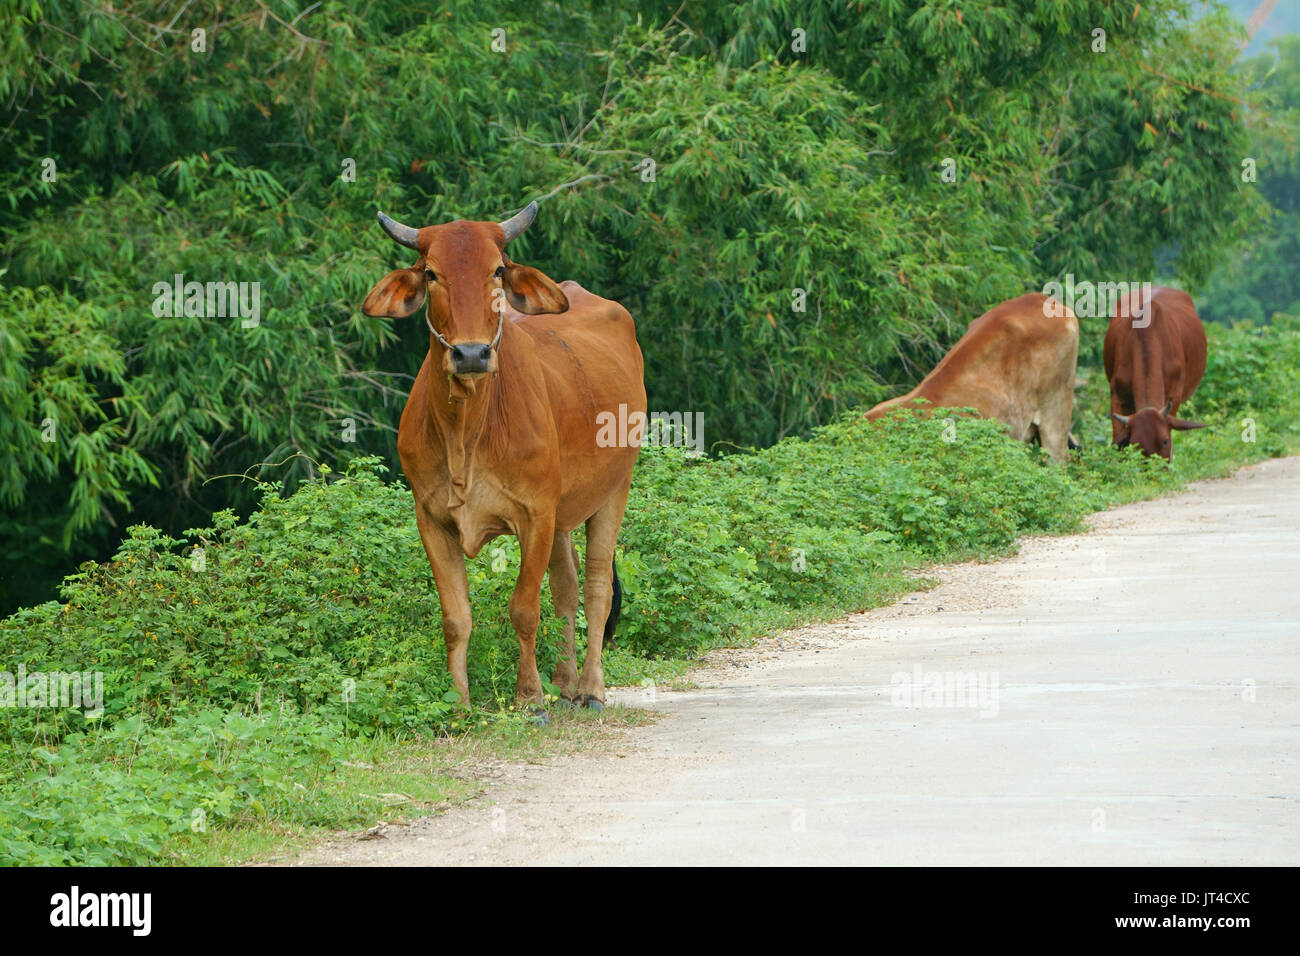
[(1126, 696)]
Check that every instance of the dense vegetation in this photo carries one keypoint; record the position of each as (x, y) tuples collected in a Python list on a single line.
[(799, 153), (1263, 276)]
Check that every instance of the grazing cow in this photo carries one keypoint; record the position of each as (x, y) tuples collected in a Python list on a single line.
[(1016, 363), (500, 434), (1154, 355)]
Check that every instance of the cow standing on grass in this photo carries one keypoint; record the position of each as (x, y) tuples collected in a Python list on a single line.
[(1154, 356), (499, 434), (1016, 363)]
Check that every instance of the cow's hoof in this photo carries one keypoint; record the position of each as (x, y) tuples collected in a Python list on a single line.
[(564, 703), (540, 717), (594, 704)]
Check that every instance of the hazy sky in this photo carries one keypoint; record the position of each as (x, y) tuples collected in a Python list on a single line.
[(1285, 18)]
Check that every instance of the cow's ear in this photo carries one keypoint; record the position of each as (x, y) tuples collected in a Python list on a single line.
[(532, 291), (397, 294), (1182, 424)]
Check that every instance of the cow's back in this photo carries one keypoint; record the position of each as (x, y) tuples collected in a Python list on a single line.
[(1155, 349), (1191, 335), (1010, 360), (594, 372), (590, 348)]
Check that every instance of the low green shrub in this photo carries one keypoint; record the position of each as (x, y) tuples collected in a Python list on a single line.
[(114, 796)]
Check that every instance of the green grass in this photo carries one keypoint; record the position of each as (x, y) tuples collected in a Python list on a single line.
[(398, 781), (252, 666)]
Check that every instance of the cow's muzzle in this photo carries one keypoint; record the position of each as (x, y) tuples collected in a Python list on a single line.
[(471, 358)]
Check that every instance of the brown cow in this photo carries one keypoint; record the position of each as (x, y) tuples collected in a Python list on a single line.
[(1154, 355), (1016, 363), (500, 435)]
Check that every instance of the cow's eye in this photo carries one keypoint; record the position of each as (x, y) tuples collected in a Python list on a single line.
[(501, 270), (429, 276)]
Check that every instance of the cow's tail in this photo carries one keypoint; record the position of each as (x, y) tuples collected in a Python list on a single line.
[(615, 609)]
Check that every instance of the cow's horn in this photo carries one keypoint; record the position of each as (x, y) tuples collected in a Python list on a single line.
[(520, 221), (1169, 407), (403, 234), (1122, 419)]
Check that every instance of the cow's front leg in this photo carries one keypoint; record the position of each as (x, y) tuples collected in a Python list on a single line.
[(448, 563), (535, 543)]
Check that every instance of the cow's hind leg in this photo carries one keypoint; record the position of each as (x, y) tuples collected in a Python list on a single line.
[(563, 573), (1057, 411), (1054, 428), (602, 536), (535, 544)]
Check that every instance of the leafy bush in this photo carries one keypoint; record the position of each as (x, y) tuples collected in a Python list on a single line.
[(1248, 368), (116, 796), (325, 587)]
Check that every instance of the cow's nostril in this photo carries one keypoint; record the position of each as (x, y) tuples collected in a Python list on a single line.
[(457, 354), (486, 352)]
